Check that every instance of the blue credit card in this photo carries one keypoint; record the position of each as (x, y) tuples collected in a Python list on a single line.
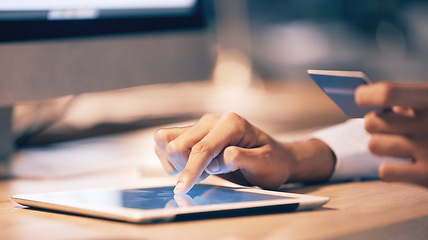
[(340, 87)]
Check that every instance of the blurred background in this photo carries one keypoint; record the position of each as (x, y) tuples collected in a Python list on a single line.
[(256, 54), (385, 39)]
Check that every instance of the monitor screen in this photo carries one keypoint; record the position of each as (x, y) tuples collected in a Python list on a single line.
[(52, 48), (29, 19)]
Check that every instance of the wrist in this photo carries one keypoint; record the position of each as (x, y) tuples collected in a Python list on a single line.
[(314, 161)]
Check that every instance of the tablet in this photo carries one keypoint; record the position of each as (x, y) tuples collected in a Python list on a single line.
[(340, 88), (159, 204)]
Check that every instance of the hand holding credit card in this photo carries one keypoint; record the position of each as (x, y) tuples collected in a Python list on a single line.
[(340, 87)]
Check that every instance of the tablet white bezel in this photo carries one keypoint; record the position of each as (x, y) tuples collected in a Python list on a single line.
[(42, 200)]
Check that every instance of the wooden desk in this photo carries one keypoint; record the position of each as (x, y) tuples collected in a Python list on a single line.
[(356, 210)]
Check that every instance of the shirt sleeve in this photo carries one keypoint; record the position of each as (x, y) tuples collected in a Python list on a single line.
[(349, 142)]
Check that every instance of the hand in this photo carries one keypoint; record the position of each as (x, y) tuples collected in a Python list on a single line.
[(402, 132), (231, 146)]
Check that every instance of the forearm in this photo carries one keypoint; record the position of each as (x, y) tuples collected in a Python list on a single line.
[(314, 161)]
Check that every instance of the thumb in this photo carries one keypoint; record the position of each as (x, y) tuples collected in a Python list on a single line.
[(257, 165), (385, 94)]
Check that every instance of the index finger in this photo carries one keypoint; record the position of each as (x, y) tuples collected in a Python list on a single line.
[(227, 132), (386, 95)]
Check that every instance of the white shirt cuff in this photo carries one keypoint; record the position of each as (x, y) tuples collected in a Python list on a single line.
[(349, 142)]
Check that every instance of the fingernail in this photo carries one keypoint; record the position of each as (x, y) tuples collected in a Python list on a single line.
[(179, 187), (214, 166)]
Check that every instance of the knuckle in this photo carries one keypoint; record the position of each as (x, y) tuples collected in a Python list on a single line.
[(200, 148), (267, 156), (237, 122), (160, 135), (231, 154), (174, 147), (209, 117), (233, 117)]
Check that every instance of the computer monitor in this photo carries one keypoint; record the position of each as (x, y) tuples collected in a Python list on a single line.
[(24, 19), (55, 48)]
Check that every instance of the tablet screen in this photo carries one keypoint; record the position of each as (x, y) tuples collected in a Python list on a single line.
[(161, 197)]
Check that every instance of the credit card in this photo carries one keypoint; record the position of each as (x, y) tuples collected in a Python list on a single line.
[(340, 87)]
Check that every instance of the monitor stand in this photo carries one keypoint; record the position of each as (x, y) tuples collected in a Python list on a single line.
[(6, 142)]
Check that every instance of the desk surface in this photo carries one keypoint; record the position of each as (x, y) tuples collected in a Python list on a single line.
[(356, 210)]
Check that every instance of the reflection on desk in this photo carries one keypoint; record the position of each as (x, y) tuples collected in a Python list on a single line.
[(86, 156)]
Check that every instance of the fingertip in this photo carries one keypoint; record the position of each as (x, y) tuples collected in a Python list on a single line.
[(184, 184), (384, 172), (180, 188), (391, 171)]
